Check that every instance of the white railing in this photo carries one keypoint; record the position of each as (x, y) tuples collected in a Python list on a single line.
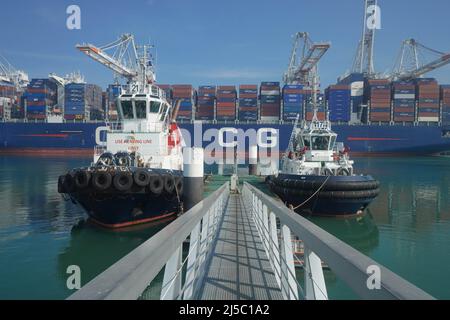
[(132, 275), (277, 226)]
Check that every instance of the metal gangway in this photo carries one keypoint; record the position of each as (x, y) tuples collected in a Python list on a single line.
[(239, 245)]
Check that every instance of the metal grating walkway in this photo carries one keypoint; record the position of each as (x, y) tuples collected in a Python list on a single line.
[(239, 268)]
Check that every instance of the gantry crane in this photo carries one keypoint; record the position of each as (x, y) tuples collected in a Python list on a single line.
[(305, 56), (411, 62), (128, 60), (363, 62), (303, 66), (10, 74)]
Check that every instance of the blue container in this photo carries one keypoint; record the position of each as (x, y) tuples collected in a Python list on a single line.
[(248, 115), (380, 110), (293, 86), (436, 101), (270, 84), (226, 100), (248, 91)]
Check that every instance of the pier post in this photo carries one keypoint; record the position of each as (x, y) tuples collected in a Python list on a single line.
[(253, 160), (193, 177)]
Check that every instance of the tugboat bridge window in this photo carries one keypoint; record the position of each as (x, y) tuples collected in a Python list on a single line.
[(163, 112), (127, 109), (141, 109), (154, 106), (320, 142)]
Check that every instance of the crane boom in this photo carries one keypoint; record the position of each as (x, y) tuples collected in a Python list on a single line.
[(408, 65), (98, 55), (302, 65), (125, 60)]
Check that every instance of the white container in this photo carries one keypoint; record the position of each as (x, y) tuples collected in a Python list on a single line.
[(428, 119), (405, 96)]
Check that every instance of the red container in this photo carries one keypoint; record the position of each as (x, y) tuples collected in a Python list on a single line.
[(248, 87), (403, 109), (320, 116), (226, 88), (226, 104), (403, 119)]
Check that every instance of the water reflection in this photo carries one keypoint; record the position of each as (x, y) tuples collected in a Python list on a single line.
[(360, 232), (94, 249)]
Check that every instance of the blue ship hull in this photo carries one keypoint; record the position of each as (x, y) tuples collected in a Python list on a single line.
[(373, 139)]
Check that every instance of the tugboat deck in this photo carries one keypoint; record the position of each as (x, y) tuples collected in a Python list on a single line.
[(239, 268)]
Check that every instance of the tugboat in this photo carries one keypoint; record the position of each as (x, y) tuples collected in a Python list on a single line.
[(137, 175), (317, 176)]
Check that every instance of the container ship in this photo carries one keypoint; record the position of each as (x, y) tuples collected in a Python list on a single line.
[(400, 113), (370, 116)]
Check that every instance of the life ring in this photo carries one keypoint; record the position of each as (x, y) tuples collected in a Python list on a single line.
[(169, 183), (123, 181), (82, 178), (101, 180), (141, 177), (156, 184), (328, 172), (343, 172)]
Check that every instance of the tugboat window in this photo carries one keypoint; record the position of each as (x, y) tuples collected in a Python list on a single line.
[(163, 112), (333, 142), (127, 109), (141, 109), (320, 143), (306, 142), (154, 106)]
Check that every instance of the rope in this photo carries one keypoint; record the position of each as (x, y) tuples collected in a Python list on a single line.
[(313, 195)]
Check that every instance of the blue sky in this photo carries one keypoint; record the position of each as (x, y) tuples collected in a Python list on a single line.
[(215, 42)]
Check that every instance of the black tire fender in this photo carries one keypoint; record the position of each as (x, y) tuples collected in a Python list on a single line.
[(179, 185), (169, 183), (156, 184), (123, 181), (61, 187), (82, 179), (69, 183), (141, 177), (101, 180)]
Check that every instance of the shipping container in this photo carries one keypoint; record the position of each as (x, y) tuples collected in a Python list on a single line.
[(338, 98)]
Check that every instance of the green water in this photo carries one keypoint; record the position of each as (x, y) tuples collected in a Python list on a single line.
[(407, 228)]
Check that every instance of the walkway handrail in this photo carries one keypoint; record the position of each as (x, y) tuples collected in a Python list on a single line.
[(129, 277), (347, 263)]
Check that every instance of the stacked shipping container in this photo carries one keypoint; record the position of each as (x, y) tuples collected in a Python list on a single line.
[(205, 103), (82, 102), (309, 105), (292, 102), (112, 92), (445, 102), (356, 83), (339, 103), (404, 101), (248, 102), (167, 88), (378, 95), (270, 101), (185, 94), (8, 100), (40, 96), (427, 100), (226, 103)]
